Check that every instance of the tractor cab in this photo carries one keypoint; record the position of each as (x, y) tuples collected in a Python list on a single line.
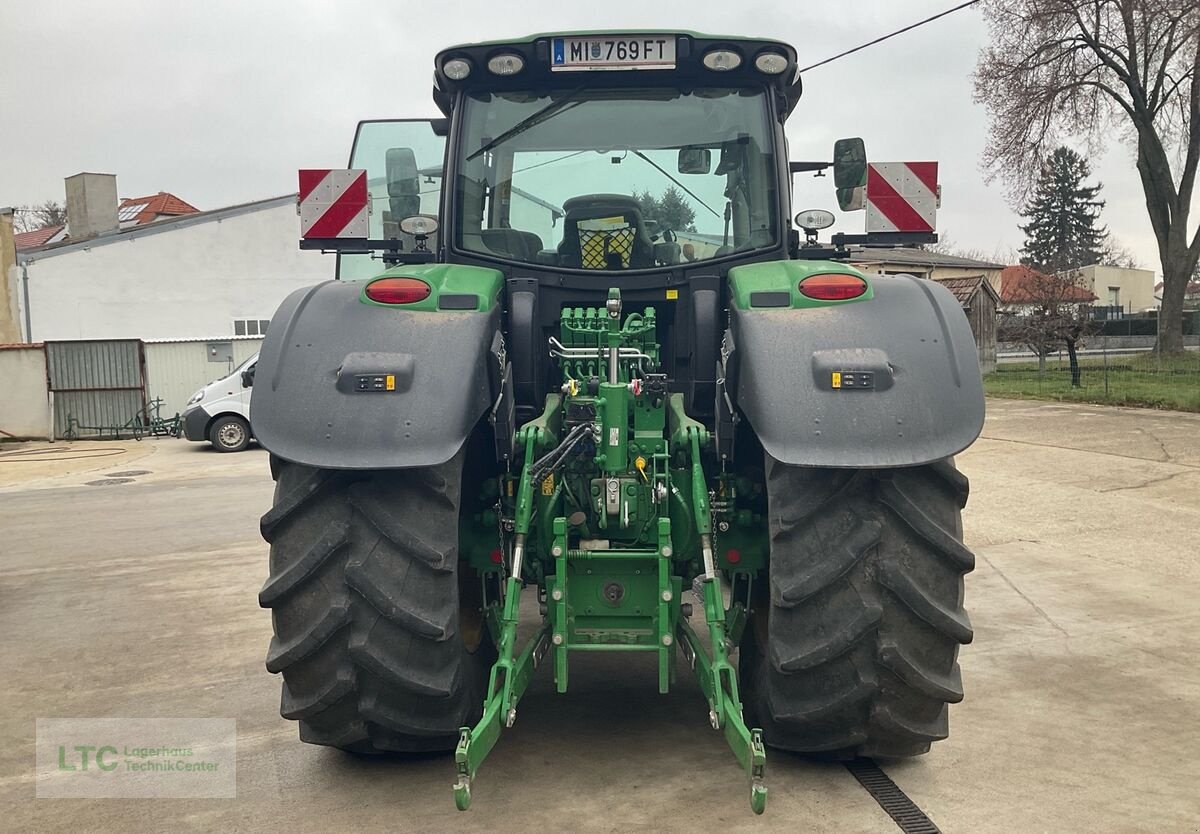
[(572, 164), (593, 155)]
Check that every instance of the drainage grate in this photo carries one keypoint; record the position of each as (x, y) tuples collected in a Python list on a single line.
[(908, 816), (109, 482), (128, 473)]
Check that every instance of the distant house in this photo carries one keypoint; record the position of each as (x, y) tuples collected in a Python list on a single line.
[(157, 269), (923, 264), (978, 301), (131, 211), (1025, 290), (1125, 290), (1191, 295), (138, 211), (39, 237)]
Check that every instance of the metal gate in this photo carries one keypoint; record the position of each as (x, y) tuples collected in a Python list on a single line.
[(96, 384)]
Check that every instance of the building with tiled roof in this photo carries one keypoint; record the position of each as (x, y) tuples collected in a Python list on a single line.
[(922, 263), (978, 299), (39, 237), (109, 284), (1024, 286), (131, 211), (138, 211)]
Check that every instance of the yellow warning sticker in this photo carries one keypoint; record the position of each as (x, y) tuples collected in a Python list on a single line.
[(672, 295), (389, 382), (836, 381), (548, 485)]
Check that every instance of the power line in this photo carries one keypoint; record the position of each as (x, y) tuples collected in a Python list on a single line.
[(890, 35), (548, 162)]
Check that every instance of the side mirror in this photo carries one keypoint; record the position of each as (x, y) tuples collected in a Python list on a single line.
[(849, 163), (694, 160), (248, 376), (850, 173), (403, 178), (403, 182)]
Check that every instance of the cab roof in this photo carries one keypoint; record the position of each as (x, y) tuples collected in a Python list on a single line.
[(690, 47)]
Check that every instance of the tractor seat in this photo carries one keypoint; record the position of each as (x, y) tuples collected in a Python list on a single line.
[(513, 243), (605, 231)]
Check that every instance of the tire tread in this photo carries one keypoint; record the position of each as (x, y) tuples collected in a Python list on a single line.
[(857, 651), (364, 599)]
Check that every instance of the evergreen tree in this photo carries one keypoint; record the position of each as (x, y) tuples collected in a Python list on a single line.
[(671, 210), (1063, 232)]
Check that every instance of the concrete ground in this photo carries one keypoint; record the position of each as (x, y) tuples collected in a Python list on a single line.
[(1083, 689)]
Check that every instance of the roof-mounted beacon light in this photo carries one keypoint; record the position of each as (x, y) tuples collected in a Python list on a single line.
[(721, 60), (457, 69)]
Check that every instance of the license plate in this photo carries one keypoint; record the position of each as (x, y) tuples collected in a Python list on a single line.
[(624, 52)]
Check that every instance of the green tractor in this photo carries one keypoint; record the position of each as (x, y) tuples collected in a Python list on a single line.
[(576, 352)]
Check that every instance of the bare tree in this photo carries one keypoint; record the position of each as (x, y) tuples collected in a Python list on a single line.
[(1046, 313), (32, 218), (1094, 69), (1115, 253), (946, 246)]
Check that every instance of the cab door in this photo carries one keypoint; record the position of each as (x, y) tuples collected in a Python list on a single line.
[(403, 159)]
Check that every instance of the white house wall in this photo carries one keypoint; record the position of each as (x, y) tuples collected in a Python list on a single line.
[(190, 281), (1136, 286), (176, 370), (25, 402)]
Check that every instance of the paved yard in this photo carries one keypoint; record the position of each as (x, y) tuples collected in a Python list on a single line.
[(1083, 688)]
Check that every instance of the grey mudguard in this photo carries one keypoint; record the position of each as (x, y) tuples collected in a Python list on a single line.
[(925, 396), (306, 406)]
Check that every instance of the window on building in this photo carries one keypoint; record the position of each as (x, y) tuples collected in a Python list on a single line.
[(1114, 296), (250, 327)]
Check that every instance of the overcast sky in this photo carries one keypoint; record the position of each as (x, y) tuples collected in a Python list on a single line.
[(220, 101)]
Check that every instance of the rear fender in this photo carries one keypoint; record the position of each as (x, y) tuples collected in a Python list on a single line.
[(315, 397), (891, 379)]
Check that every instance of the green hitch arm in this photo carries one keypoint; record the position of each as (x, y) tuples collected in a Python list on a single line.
[(717, 677), (510, 675)]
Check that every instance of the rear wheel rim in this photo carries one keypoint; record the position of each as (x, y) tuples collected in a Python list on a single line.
[(231, 434)]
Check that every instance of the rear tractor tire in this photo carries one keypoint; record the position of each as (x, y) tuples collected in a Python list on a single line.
[(854, 650), (364, 595)]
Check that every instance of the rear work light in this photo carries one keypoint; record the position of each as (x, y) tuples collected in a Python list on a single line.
[(506, 63), (836, 286), (772, 63), (457, 69), (397, 290), (721, 60)]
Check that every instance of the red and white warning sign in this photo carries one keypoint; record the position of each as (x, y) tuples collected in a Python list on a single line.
[(902, 196), (333, 203)]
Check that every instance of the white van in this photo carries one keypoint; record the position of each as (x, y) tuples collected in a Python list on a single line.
[(220, 411)]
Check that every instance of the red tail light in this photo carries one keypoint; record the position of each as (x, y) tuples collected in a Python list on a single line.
[(833, 286), (397, 290)]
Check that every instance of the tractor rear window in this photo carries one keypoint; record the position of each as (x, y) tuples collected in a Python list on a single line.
[(613, 180)]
